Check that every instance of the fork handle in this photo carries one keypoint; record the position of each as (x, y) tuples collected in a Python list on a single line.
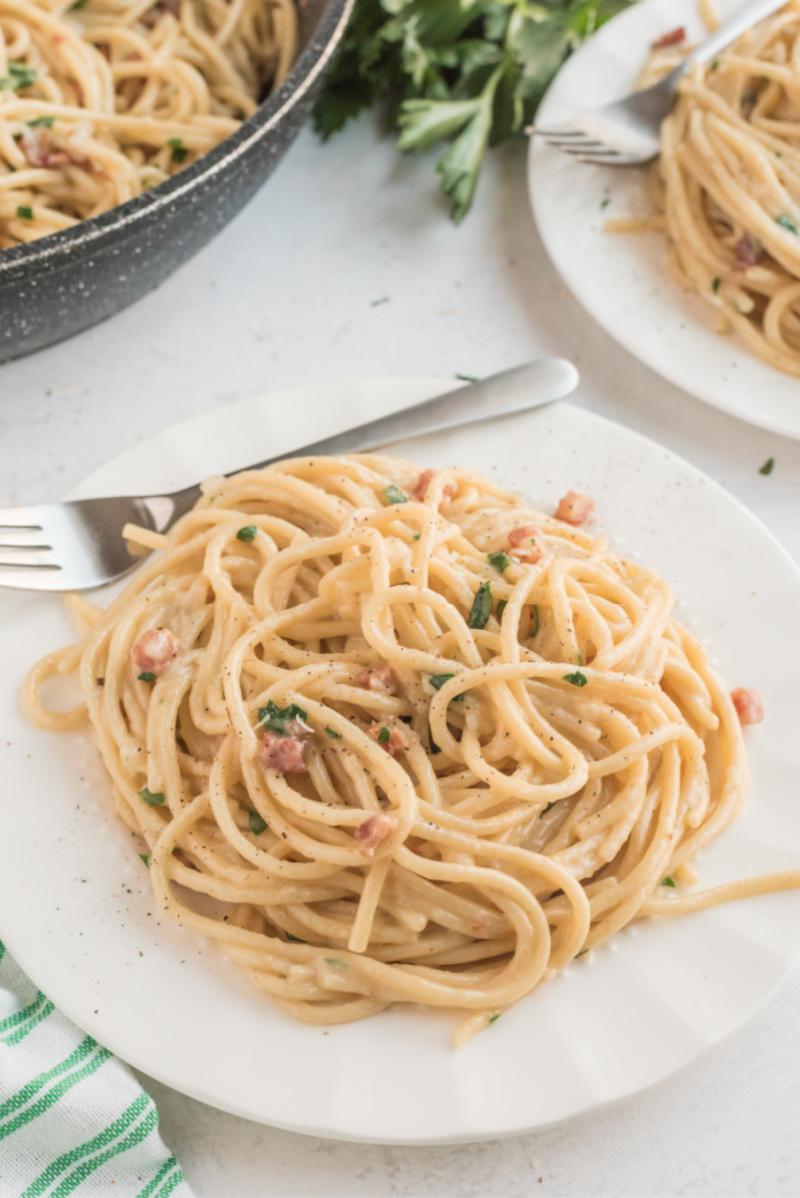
[(729, 30), (515, 390)]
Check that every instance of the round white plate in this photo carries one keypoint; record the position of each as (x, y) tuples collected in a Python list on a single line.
[(75, 903), (624, 280)]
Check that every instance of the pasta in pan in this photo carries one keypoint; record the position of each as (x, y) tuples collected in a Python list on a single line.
[(102, 99), (726, 188), (408, 739)]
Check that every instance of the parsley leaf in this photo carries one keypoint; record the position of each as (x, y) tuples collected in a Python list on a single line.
[(460, 74), (257, 823), (383, 735), (25, 212), (668, 882), (768, 466), (333, 734), (437, 681), (481, 606), (146, 676), (501, 561), (146, 858), (295, 939), (576, 678), (247, 534), (179, 150), (275, 719), (18, 78), (46, 122), (787, 223), (501, 607), (152, 800), (394, 495)]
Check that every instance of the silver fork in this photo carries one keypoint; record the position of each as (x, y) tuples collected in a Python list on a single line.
[(626, 133), (77, 545)]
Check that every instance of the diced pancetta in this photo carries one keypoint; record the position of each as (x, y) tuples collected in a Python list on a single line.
[(284, 753), (749, 252), (155, 651), (749, 705), (395, 742), (378, 678), (424, 481), (373, 831), (526, 543), (575, 509), (673, 38)]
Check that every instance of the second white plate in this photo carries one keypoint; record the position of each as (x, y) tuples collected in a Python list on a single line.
[(77, 911), (624, 281)]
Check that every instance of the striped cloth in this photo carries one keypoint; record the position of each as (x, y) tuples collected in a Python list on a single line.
[(73, 1119)]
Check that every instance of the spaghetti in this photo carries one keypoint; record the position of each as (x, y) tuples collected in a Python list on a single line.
[(406, 738), (102, 99), (727, 185)]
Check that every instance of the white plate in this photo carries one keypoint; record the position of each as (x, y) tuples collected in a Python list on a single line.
[(76, 907), (623, 280)]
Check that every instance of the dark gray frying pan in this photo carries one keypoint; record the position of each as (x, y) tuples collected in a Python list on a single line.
[(54, 287)]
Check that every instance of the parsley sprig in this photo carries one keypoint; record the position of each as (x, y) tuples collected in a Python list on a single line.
[(466, 73)]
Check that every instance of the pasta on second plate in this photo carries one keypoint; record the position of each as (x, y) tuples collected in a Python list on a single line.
[(727, 185), (408, 739)]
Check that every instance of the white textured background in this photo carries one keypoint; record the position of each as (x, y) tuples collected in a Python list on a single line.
[(288, 294)]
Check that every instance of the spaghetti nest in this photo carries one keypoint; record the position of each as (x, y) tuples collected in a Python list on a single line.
[(102, 99), (415, 741), (728, 185)]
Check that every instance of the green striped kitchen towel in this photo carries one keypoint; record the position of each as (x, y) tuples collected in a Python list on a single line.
[(73, 1119)]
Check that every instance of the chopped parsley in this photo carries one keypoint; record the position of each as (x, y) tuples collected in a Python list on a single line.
[(437, 681), (417, 536), (768, 466), (581, 953), (604, 203), (467, 378), (146, 676), (18, 77), (668, 882), (152, 800), (336, 964), (25, 212), (333, 734), (501, 607), (78, 4), (714, 65), (295, 939), (275, 719), (179, 150), (481, 606), (383, 735), (493, 1018), (501, 561), (257, 823), (146, 858), (549, 807), (576, 678), (377, 303), (247, 534), (787, 223), (715, 286), (393, 494), (44, 122), (535, 625)]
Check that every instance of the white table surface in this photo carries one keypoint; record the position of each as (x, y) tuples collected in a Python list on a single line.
[(287, 295)]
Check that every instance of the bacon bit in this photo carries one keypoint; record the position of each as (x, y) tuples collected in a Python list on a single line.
[(749, 252), (424, 481), (373, 831), (394, 744), (35, 144), (673, 38), (533, 536), (155, 651), (575, 509), (284, 753), (749, 705), (378, 678)]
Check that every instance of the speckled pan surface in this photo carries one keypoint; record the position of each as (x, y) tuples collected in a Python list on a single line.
[(75, 903), (54, 287)]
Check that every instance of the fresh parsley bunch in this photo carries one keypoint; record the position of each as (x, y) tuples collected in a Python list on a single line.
[(469, 73)]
